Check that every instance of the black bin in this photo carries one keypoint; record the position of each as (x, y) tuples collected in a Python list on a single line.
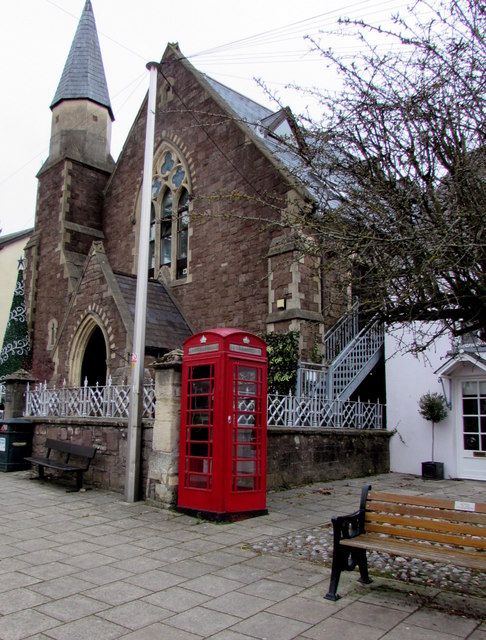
[(15, 443)]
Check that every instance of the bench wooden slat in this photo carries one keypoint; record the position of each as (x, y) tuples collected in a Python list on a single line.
[(439, 514), (83, 456), (433, 529), (72, 448), (426, 523), (430, 536), (428, 501), (55, 464), (471, 559)]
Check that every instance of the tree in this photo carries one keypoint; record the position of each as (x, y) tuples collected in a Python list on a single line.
[(432, 408), (398, 166), (16, 351)]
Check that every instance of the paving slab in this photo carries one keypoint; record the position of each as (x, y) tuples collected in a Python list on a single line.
[(89, 565)]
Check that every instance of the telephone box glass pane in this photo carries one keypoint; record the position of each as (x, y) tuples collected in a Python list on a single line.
[(247, 421), (199, 433)]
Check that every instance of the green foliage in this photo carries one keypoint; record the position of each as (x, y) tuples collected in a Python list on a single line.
[(432, 407), (283, 358)]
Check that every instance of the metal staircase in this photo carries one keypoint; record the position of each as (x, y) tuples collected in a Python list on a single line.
[(350, 355)]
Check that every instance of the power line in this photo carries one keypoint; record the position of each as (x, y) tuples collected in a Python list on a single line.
[(233, 53)]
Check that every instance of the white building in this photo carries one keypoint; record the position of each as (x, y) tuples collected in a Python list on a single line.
[(457, 373)]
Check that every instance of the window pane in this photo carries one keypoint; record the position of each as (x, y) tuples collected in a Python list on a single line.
[(182, 233), (167, 205), (471, 442), (166, 230), (152, 238), (165, 250), (470, 423), (167, 164), (156, 184), (469, 389), (178, 177), (470, 406)]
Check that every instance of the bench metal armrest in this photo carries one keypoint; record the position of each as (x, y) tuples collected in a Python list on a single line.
[(350, 526)]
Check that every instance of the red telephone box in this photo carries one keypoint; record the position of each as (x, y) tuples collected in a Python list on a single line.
[(223, 437)]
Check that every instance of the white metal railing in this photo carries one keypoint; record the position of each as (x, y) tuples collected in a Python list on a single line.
[(110, 401), (329, 381), (354, 358), (311, 379), (341, 334), (299, 411), (113, 402)]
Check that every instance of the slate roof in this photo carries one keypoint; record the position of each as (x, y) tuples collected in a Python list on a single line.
[(248, 110), (271, 127), (166, 327), (84, 74)]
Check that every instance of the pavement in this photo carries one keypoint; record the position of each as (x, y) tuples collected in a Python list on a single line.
[(88, 565)]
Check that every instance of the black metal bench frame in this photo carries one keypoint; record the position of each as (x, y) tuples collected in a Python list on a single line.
[(82, 453), (433, 529)]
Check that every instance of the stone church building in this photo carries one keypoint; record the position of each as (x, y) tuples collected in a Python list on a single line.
[(222, 252)]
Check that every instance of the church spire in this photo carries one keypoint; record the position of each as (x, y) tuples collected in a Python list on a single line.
[(84, 75), (81, 109)]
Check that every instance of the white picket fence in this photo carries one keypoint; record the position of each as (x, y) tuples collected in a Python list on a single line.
[(112, 401)]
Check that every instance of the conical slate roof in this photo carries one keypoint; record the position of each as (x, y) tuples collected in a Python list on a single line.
[(84, 75)]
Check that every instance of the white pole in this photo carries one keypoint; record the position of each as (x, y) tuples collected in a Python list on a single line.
[(134, 435)]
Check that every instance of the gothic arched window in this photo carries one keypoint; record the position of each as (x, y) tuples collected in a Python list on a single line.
[(169, 223)]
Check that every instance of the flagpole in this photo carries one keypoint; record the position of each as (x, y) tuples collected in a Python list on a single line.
[(134, 432)]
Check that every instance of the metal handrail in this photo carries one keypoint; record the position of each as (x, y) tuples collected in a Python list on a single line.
[(341, 334), (354, 358)]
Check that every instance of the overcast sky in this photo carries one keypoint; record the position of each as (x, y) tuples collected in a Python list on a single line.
[(233, 42)]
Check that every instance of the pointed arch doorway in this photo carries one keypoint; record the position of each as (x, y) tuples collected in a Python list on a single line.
[(93, 366)]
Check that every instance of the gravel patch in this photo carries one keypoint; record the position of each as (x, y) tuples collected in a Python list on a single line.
[(315, 545)]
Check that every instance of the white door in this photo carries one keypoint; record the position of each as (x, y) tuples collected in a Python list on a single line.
[(471, 426)]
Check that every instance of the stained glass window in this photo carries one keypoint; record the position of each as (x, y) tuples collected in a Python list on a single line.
[(170, 216)]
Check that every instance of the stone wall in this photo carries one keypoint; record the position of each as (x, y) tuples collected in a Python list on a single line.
[(68, 220), (107, 470), (238, 195), (296, 456)]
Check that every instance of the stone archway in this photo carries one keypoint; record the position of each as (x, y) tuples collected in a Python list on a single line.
[(93, 366), (89, 353)]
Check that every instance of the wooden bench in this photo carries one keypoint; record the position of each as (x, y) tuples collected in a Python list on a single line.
[(432, 529), (84, 455)]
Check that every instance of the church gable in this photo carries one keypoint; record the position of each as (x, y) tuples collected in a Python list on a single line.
[(98, 324), (96, 304), (223, 205)]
